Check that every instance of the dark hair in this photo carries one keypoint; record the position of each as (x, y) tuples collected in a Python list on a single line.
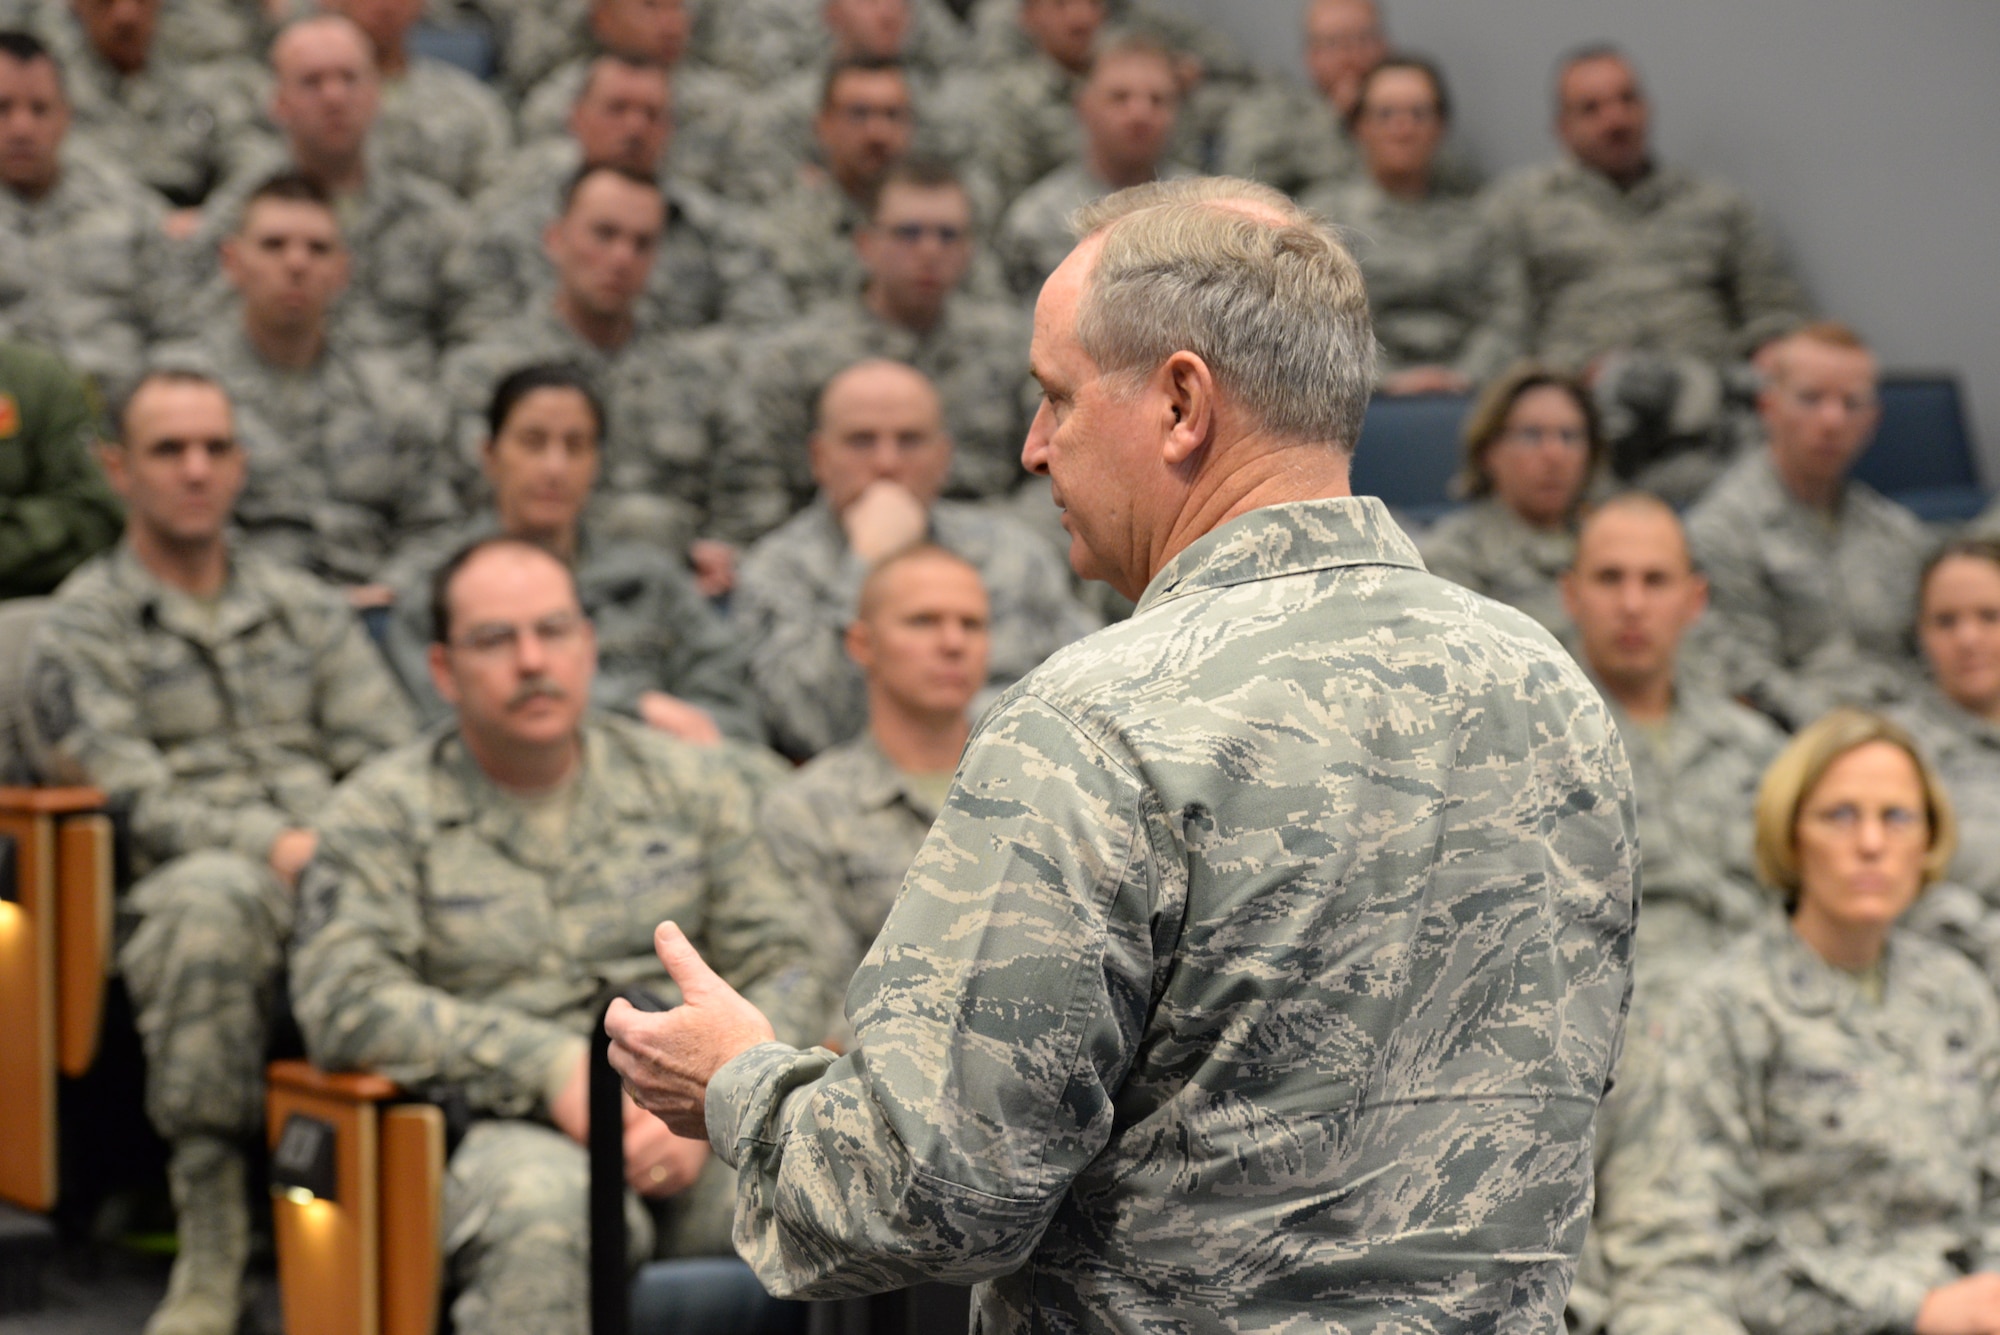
[(590, 169), (290, 186), (160, 375), (1978, 549), (1578, 55), (1423, 65), (638, 63), (519, 384), (441, 581), (859, 65), (27, 48), (918, 173)]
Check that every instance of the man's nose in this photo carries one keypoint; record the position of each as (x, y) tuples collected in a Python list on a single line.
[(1035, 449)]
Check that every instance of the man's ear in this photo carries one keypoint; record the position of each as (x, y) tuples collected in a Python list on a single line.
[(447, 689), (1187, 388), (860, 644), (111, 458)]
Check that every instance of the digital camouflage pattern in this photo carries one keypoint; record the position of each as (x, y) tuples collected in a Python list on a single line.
[(654, 630), (1028, 127), (446, 944), (762, 41), (1290, 138), (346, 458), (85, 270), (800, 586), (706, 105), (1845, 1147), (1440, 293), (1964, 911), (444, 125), (702, 273), (1809, 614), (976, 356), (215, 728), (1679, 263), (400, 297), (1491, 550), (1263, 971), (1035, 236), (847, 826), (1696, 784), (56, 509)]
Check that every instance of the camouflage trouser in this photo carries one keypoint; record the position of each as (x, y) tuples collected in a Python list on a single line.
[(202, 966), (516, 1237)]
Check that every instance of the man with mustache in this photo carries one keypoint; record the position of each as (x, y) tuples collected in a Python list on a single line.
[(474, 893)]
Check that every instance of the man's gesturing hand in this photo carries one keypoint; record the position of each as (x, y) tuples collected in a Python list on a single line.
[(666, 1059)]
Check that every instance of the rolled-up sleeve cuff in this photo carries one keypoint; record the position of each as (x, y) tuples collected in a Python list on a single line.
[(744, 1096)]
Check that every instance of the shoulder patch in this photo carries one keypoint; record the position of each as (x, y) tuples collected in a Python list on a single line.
[(10, 415)]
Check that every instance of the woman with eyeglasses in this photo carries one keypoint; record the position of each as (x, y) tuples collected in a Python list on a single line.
[(1956, 719), (1531, 447), (1831, 1084), (1449, 309)]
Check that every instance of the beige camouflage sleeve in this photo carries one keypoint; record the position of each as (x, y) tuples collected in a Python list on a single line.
[(967, 1106)]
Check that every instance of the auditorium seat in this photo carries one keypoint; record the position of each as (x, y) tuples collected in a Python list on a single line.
[(1409, 452), (1923, 455)]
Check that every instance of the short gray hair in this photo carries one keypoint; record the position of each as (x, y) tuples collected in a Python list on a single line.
[(1243, 278)]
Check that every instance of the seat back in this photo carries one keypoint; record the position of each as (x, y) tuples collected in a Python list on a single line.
[(1409, 452), (1923, 454)]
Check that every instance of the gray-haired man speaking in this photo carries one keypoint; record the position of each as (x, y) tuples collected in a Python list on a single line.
[(1266, 965)]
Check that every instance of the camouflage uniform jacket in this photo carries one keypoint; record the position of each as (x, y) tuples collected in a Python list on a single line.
[(1849, 1148), (654, 630), (1028, 127), (346, 458), (706, 105), (216, 728), (702, 273), (1287, 136), (444, 125), (1678, 263), (1440, 293), (663, 404), (1814, 615), (848, 826), (399, 230), (1697, 797), (56, 509), (1035, 235), (1488, 548), (83, 270), (762, 41), (976, 355), (444, 945), (180, 129), (1963, 912), (800, 587), (1246, 921)]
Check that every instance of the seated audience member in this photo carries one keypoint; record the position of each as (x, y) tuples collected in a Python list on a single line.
[(436, 120), (181, 129), (662, 391), (56, 510), (1955, 717), (916, 248), (763, 41), (1654, 276), (880, 453), (1447, 306), (1811, 572), (1028, 125), (663, 654), (706, 102), (622, 118), (1841, 1076), (1126, 108), (1633, 594), (470, 897), (83, 259), (215, 697), (775, 134), (852, 820), (399, 225), (346, 457), (1300, 139), (1531, 448)]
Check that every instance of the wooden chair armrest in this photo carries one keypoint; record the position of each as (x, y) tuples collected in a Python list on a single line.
[(302, 1077), (51, 801)]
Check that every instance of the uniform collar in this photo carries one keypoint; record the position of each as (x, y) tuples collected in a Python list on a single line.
[(243, 603), (464, 795), (1291, 539)]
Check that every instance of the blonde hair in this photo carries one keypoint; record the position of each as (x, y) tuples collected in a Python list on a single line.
[(1240, 276), (1798, 769)]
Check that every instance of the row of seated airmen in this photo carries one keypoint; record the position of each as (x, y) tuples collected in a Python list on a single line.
[(450, 901), (379, 311)]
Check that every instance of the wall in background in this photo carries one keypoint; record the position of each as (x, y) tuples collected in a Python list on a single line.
[(1868, 135)]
